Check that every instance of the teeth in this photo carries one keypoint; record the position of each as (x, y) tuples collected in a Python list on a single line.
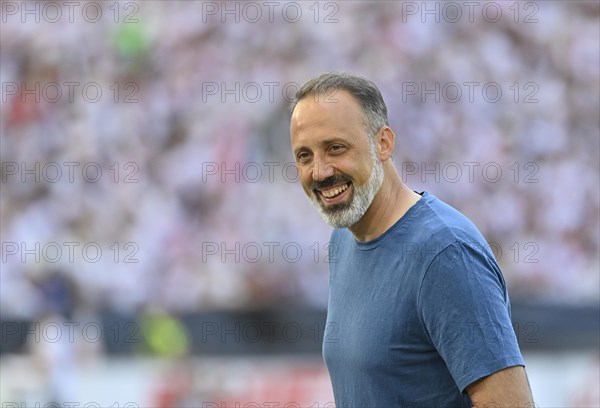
[(335, 191)]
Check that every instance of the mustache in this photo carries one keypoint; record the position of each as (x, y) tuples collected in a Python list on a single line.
[(331, 181)]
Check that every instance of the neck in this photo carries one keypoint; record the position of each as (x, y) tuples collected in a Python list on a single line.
[(391, 202)]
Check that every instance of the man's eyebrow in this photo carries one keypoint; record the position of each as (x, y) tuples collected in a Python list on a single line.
[(332, 140), (322, 143)]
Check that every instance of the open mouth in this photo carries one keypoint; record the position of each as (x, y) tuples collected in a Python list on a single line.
[(334, 194)]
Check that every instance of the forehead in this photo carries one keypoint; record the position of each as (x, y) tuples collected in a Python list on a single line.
[(332, 115)]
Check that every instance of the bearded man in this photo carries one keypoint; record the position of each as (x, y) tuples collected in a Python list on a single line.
[(418, 312)]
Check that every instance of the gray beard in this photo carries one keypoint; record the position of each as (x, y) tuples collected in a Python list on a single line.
[(346, 215)]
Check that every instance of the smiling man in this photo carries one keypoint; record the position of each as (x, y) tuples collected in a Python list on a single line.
[(418, 314)]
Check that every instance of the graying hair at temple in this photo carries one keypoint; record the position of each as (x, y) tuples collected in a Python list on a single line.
[(366, 93)]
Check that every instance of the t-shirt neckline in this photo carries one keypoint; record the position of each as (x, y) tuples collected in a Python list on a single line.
[(374, 243)]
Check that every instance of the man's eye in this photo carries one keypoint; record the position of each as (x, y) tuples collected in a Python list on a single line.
[(336, 148), (302, 157)]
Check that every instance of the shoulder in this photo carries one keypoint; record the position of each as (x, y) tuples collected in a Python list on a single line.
[(439, 222), (451, 246)]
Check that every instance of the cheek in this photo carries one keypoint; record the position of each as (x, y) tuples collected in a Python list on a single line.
[(307, 185), (305, 179), (362, 174)]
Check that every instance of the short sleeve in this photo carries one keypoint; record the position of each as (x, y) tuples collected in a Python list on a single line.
[(464, 307)]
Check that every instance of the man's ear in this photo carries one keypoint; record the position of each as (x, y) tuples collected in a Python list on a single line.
[(386, 140)]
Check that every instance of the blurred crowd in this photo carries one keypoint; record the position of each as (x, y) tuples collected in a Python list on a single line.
[(177, 191)]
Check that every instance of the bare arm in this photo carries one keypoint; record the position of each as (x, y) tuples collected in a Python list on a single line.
[(508, 388)]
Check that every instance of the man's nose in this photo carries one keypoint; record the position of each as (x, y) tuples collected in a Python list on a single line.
[(322, 170)]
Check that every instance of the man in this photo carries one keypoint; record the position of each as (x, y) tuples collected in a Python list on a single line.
[(418, 313)]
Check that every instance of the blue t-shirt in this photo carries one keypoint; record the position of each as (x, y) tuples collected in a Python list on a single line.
[(417, 314)]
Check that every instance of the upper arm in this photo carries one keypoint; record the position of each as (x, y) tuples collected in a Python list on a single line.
[(505, 388), (464, 309)]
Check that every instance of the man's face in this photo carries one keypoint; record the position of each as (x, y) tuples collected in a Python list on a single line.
[(340, 170)]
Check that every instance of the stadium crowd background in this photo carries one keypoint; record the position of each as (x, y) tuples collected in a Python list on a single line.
[(182, 140), (194, 115)]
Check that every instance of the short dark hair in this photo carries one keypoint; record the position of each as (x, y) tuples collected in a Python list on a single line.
[(365, 91)]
